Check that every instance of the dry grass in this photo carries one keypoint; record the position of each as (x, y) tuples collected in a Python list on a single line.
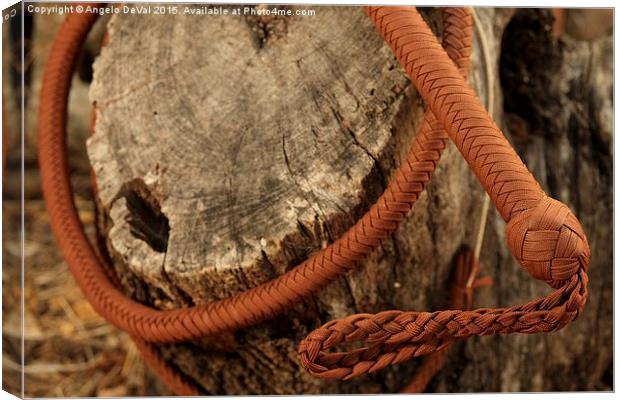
[(69, 350)]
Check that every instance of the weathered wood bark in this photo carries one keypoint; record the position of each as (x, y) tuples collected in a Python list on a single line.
[(559, 112), (227, 152)]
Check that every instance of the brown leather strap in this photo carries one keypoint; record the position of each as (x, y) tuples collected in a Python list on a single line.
[(542, 233), (461, 297)]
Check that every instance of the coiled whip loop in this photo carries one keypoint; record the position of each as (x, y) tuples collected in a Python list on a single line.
[(543, 234)]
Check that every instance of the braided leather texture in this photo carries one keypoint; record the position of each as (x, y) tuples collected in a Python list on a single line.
[(542, 233), (461, 297)]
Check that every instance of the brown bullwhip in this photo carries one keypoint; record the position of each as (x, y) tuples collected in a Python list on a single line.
[(543, 234)]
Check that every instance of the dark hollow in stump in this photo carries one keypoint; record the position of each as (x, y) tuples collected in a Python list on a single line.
[(227, 149)]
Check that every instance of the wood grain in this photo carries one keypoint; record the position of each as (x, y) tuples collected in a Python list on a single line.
[(228, 149)]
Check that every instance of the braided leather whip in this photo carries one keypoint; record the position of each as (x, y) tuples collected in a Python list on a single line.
[(543, 234)]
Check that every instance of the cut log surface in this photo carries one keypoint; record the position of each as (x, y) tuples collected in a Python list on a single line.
[(228, 149), (247, 149)]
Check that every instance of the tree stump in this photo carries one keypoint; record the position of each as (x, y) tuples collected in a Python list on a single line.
[(228, 149)]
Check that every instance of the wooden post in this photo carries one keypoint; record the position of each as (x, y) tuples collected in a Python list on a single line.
[(227, 149)]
